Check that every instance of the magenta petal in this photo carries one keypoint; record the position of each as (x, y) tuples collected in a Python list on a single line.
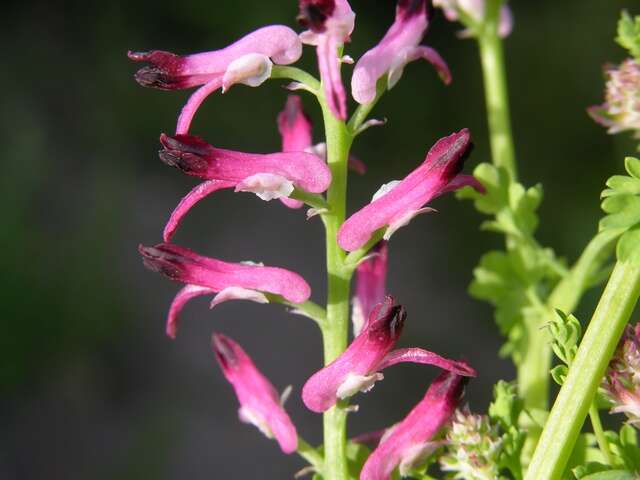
[(434, 58), (196, 157), (371, 276), (183, 265), (356, 165), (403, 36), (360, 359), (430, 179), (189, 200), (294, 126), (170, 71), (425, 357), (259, 400), (461, 180), (191, 107), (329, 66), (416, 430), (182, 297)]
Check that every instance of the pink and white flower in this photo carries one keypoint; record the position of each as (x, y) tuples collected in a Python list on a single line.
[(259, 401), (397, 202), (399, 46), (203, 276), (475, 10), (358, 368), (329, 23), (248, 61), (409, 443), (269, 176)]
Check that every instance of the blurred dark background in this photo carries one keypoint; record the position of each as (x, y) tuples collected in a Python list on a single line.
[(90, 387)]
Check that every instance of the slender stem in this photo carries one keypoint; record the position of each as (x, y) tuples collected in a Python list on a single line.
[(598, 431), (362, 112), (533, 369), (310, 454), (598, 344), (336, 328), (496, 94), (308, 309), (298, 75)]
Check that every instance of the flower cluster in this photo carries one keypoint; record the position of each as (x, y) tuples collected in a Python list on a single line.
[(622, 382), (300, 174), (621, 109), (474, 445), (474, 11)]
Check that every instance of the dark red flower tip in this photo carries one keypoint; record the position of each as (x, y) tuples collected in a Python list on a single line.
[(164, 72), (224, 351), (314, 13), (408, 8), (186, 152), (159, 260), (386, 321), (449, 157)]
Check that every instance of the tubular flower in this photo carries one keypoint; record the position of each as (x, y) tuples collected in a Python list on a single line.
[(410, 442), (296, 131), (475, 10), (329, 23), (622, 382), (247, 61), (204, 275), (371, 276), (269, 176), (396, 203), (357, 368), (260, 403), (399, 46), (621, 110)]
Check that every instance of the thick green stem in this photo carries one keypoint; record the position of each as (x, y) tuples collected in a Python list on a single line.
[(586, 372), (495, 88), (533, 369), (336, 329)]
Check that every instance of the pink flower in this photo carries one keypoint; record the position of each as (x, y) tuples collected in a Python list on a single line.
[(475, 10), (357, 368), (399, 46), (295, 129), (396, 203), (267, 175), (204, 275), (260, 403), (410, 442), (371, 276), (330, 23), (247, 61)]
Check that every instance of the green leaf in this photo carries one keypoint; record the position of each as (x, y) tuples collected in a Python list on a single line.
[(559, 373), (631, 164), (611, 475), (628, 249), (629, 34), (357, 454)]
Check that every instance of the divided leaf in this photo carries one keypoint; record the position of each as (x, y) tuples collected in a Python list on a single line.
[(629, 34)]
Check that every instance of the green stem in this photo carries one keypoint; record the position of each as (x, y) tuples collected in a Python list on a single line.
[(533, 369), (298, 75), (336, 329), (363, 111), (495, 88), (310, 454), (598, 431), (312, 199), (598, 344)]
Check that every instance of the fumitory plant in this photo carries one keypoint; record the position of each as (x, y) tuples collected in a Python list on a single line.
[(534, 291)]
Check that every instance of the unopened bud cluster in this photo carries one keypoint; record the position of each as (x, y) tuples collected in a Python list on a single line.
[(473, 447)]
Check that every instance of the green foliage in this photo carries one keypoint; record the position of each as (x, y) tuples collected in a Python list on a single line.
[(357, 454), (610, 475), (629, 34), (512, 280), (504, 411), (622, 205), (566, 333), (624, 447)]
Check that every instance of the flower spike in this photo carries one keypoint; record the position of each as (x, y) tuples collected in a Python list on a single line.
[(371, 278), (357, 368), (259, 401), (410, 442), (396, 203), (204, 275), (247, 61), (329, 23), (399, 46)]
